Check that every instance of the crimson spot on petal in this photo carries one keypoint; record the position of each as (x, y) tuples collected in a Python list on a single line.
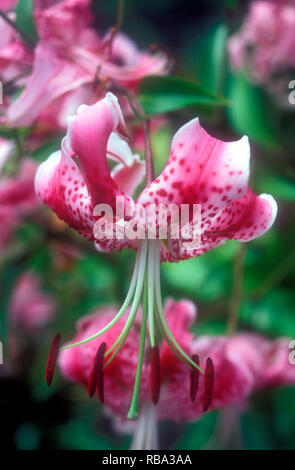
[(52, 358)]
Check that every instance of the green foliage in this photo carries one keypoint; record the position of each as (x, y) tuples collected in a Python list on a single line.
[(210, 58), (25, 19), (250, 114), (158, 95), (280, 187), (41, 153), (272, 314)]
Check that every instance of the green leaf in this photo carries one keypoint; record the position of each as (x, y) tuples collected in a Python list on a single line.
[(159, 95), (45, 150), (206, 278), (210, 58), (256, 431), (249, 113), (273, 314), (280, 187), (25, 19), (233, 4), (5, 132)]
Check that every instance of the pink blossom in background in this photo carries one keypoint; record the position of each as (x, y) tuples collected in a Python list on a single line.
[(15, 57), (17, 199), (200, 170), (265, 44), (7, 5), (30, 307), (71, 55), (18, 191), (242, 363)]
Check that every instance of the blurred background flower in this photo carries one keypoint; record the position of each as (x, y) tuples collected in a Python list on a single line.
[(231, 65), (30, 308), (264, 45)]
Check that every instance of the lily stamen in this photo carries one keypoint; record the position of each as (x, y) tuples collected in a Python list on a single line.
[(95, 377), (208, 384), (155, 375)]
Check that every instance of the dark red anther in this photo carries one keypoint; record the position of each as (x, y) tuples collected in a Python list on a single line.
[(194, 378), (97, 369), (52, 358), (155, 375), (208, 384)]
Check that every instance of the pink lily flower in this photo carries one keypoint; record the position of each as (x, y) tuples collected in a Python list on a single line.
[(7, 5), (19, 191), (201, 169), (71, 55), (264, 45), (242, 364), (17, 198), (30, 308), (15, 57), (9, 220)]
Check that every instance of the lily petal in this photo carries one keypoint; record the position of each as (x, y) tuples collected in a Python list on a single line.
[(60, 185), (89, 134), (52, 77), (245, 219), (130, 171), (127, 178), (201, 170)]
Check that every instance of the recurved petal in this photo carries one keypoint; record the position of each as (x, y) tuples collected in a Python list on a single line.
[(89, 134), (128, 178), (52, 77), (182, 249), (245, 219), (60, 185), (124, 49), (129, 173), (202, 170)]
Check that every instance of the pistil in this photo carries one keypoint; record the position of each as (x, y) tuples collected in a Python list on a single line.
[(133, 412)]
